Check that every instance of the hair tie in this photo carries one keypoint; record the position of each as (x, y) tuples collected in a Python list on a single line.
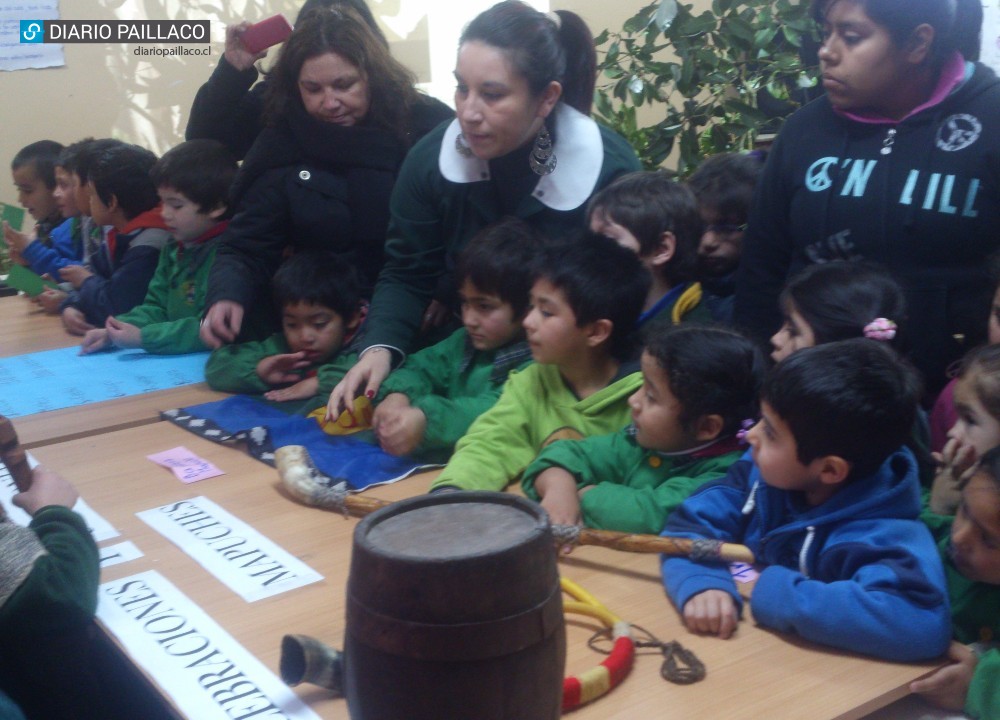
[(555, 17), (880, 329), (745, 426)]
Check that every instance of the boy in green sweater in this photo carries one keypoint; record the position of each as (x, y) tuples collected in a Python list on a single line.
[(430, 402), (585, 299), (970, 549), (699, 384), (319, 297), (193, 182)]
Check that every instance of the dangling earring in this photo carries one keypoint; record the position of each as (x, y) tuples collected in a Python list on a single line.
[(542, 160), (461, 148)]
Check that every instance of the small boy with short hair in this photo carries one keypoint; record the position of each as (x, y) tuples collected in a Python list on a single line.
[(36, 175), (319, 297), (723, 185), (699, 385), (585, 298), (430, 402), (193, 182), (969, 544), (123, 196), (829, 502), (658, 219)]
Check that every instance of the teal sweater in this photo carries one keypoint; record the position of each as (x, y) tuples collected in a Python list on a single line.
[(632, 489), (170, 315), (535, 408), (453, 384)]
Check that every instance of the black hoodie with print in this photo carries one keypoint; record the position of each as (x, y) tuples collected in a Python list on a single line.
[(921, 196)]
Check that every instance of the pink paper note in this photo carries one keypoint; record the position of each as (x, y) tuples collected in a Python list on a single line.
[(187, 466), (743, 573)]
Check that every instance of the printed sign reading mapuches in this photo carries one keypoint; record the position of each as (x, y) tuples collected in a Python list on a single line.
[(248, 563)]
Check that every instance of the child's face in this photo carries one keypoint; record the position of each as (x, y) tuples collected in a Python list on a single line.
[(32, 193), (82, 194), (315, 330), (183, 218), (975, 427), (551, 327), (975, 534), (721, 243), (994, 324), (65, 193), (775, 453), (488, 320), (656, 412), (795, 334), (101, 213)]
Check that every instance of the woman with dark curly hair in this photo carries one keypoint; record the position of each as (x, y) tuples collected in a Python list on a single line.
[(341, 114)]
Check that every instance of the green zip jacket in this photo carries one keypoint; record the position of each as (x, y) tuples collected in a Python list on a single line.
[(632, 489), (975, 618), (233, 368), (441, 200), (453, 383), (170, 315), (535, 408)]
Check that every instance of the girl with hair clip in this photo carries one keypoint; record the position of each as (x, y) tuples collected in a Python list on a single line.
[(838, 301), (342, 114), (523, 144), (899, 162)]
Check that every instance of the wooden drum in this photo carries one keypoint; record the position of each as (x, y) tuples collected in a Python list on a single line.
[(454, 612)]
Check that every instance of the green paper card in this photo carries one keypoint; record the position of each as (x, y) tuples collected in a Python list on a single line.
[(28, 282), (13, 215)]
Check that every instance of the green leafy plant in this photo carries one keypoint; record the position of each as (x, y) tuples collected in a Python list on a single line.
[(707, 73)]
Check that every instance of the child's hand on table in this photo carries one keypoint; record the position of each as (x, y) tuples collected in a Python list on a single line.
[(712, 612), (947, 687), (559, 497), (49, 300), (74, 275), (398, 425), (75, 322), (95, 340), (123, 334), (302, 390)]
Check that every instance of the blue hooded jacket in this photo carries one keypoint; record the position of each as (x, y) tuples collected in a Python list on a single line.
[(858, 572)]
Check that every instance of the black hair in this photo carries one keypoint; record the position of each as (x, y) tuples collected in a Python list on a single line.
[(725, 183), (601, 281), (318, 277), (856, 399), (648, 204), (838, 299), (122, 172), (982, 366), (201, 170), (957, 24), (540, 50), (498, 261), (43, 156), (87, 153), (69, 156), (711, 371), (359, 6)]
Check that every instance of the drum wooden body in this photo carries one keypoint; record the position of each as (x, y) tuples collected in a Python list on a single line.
[(454, 612)]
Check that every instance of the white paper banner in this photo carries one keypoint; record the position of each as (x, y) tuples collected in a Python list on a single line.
[(204, 670), (99, 528), (244, 560), (118, 554)]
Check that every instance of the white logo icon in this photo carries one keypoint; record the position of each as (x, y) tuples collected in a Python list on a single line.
[(33, 29), (958, 132)]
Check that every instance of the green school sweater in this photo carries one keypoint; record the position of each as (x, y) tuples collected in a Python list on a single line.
[(535, 407), (633, 489)]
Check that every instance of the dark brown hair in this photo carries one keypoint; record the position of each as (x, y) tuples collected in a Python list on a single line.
[(342, 31)]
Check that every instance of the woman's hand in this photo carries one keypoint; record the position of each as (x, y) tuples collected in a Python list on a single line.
[(221, 324), (236, 53), (372, 368)]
